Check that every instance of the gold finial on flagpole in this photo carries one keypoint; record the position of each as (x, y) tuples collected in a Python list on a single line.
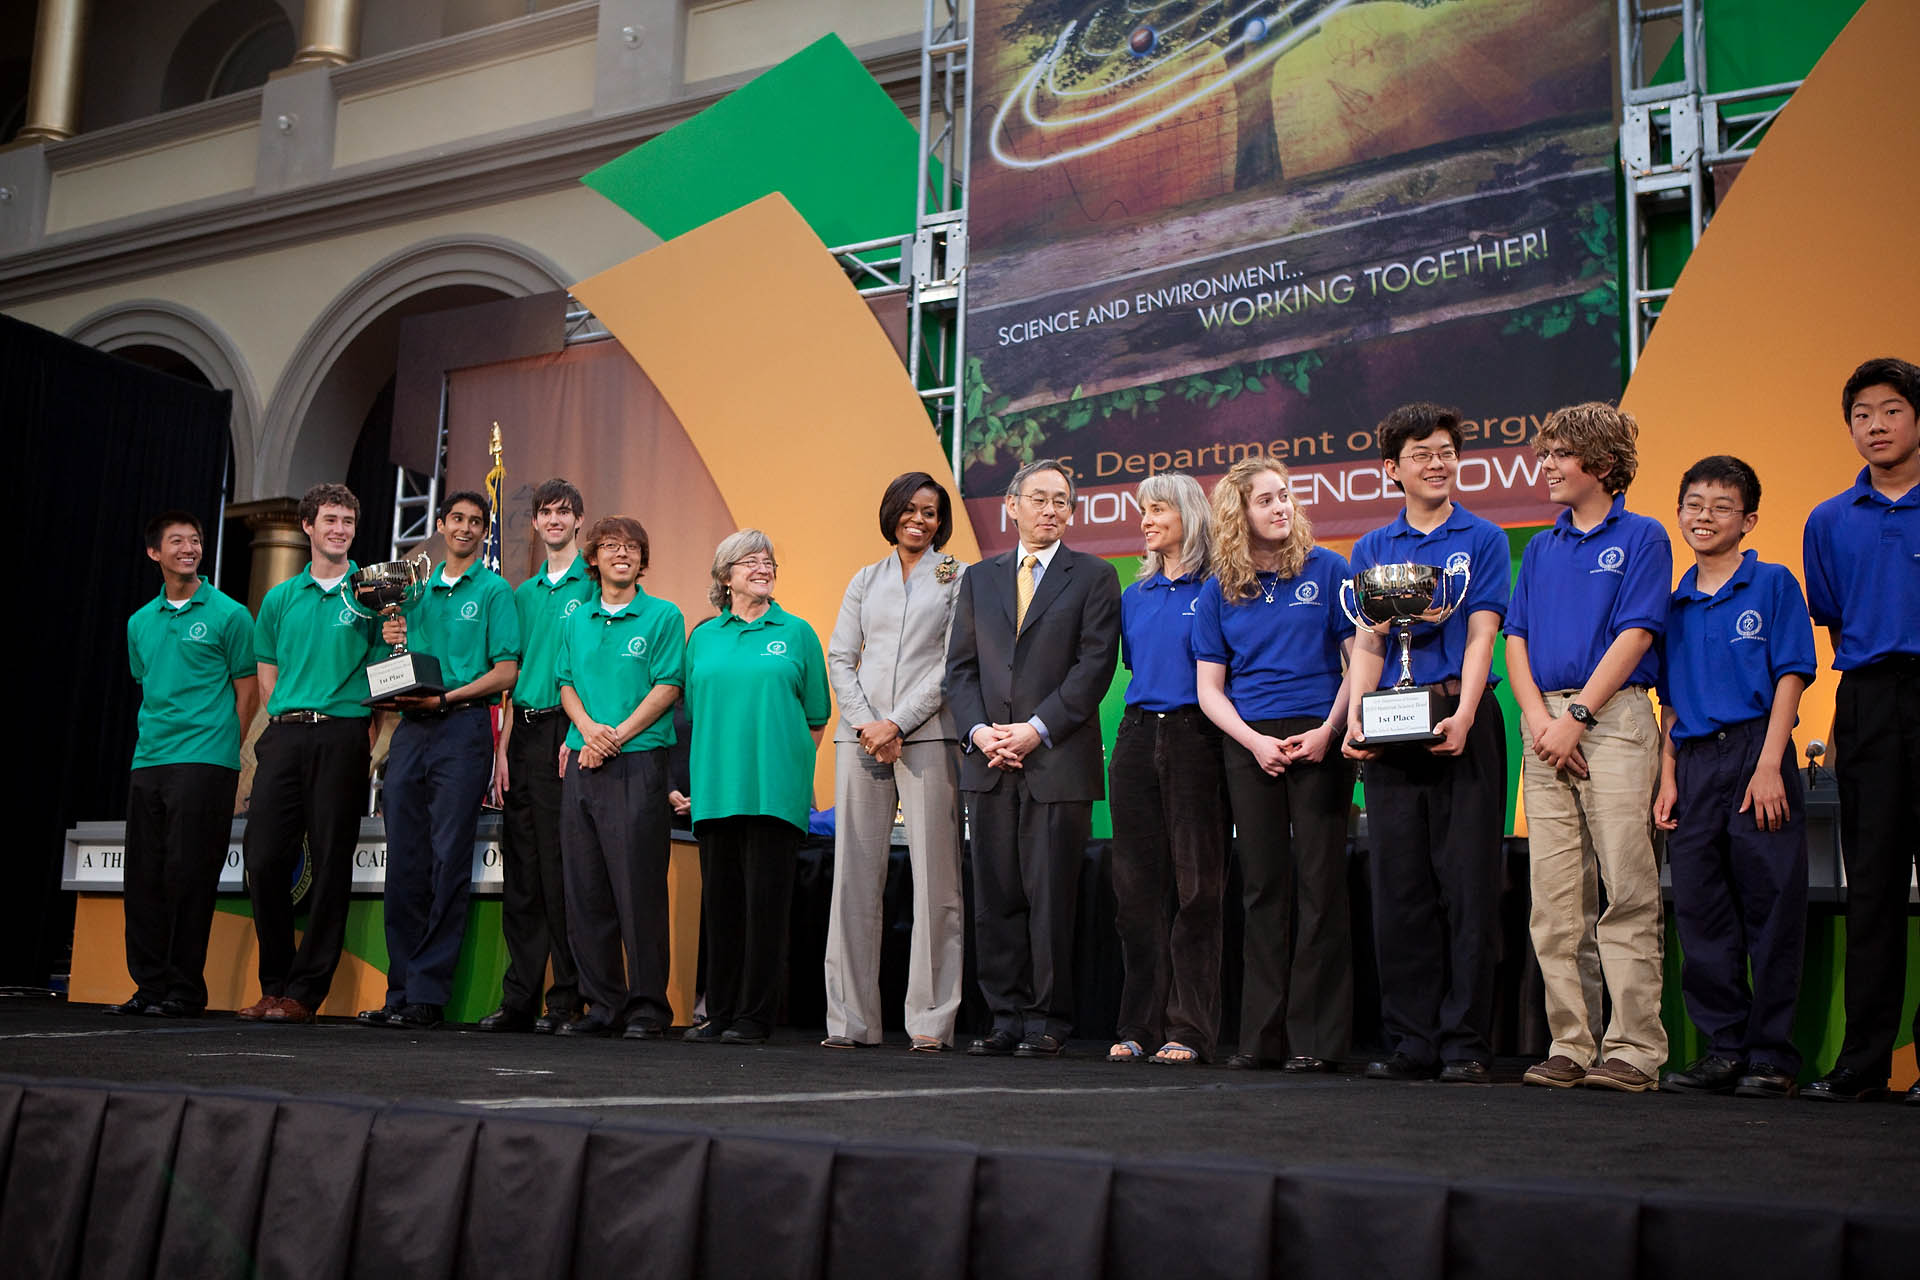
[(493, 445)]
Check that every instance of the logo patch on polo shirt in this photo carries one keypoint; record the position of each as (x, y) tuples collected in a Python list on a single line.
[(1307, 592), (470, 610), (1748, 626), (637, 647), (571, 606), (1188, 611), (346, 617), (1460, 562), (198, 631), (776, 647), (1612, 560)]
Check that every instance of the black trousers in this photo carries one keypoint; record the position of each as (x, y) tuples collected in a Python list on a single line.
[(1291, 837), (1169, 870), (746, 868), (179, 818), (533, 911), (1434, 827), (1876, 738), (1739, 899), (615, 832), (310, 782), (1026, 875)]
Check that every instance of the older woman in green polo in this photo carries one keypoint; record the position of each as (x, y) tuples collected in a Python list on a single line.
[(757, 691)]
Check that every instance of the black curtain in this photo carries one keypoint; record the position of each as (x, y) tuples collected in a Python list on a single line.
[(102, 445)]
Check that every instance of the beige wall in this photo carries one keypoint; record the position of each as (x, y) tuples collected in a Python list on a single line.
[(210, 165), (466, 104), (726, 37)]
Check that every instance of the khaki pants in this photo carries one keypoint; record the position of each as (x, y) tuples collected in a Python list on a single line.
[(1584, 833)]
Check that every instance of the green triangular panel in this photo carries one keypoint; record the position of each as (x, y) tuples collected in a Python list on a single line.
[(816, 128)]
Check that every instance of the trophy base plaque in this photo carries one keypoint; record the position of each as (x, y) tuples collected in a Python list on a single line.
[(405, 675), (1401, 717)]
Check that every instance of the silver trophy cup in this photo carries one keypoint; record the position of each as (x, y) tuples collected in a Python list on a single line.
[(1397, 596), (382, 591)]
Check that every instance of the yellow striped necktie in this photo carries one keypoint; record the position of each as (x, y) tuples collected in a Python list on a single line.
[(1023, 592)]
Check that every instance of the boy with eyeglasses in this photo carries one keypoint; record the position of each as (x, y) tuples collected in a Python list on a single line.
[(1738, 655), (1435, 814), (1589, 602)]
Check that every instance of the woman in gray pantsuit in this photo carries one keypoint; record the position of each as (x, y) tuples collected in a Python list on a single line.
[(896, 744)]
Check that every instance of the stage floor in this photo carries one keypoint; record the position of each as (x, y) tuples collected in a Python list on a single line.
[(1807, 1153)]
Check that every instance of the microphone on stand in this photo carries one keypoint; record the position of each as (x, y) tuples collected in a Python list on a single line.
[(1816, 748)]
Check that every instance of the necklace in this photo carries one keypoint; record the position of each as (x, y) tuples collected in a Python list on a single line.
[(1266, 589)]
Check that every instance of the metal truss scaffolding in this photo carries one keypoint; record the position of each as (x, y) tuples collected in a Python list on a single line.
[(1674, 135)]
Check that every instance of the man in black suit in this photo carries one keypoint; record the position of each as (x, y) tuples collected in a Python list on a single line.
[(1035, 635)]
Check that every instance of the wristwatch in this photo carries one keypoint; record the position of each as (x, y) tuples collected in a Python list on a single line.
[(1580, 713)]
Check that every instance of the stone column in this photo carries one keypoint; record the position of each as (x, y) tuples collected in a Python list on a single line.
[(280, 547), (53, 95), (329, 34)]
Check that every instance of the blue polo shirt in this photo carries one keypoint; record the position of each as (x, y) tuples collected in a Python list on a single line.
[(1589, 587), (1156, 630), (1464, 541), (1725, 652), (1863, 572), (1282, 656)]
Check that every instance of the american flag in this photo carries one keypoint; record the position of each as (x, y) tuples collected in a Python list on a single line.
[(490, 557)]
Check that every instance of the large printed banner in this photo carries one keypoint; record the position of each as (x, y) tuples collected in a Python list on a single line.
[(1206, 230)]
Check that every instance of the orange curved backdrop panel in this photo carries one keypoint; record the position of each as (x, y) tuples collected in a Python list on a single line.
[(789, 388), (1808, 269)]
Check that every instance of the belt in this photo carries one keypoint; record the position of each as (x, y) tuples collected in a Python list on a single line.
[(302, 717), (534, 715), (1450, 686), (1141, 713), (441, 713)]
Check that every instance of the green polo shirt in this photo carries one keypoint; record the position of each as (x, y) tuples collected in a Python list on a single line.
[(186, 661), (469, 625), (320, 645), (544, 607), (612, 660), (754, 690)]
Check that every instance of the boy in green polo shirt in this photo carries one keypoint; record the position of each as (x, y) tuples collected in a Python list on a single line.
[(310, 773), (191, 650), (621, 667), (533, 914), (439, 764)]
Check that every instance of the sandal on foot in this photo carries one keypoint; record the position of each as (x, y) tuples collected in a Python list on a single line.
[(842, 1042), (927, 1044), (1126, 1051), (1175, 1054)]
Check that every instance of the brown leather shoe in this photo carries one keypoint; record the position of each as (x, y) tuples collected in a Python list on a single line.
[(1557, 1072), (258, 1009), (1620, 1076), (287, 1009)]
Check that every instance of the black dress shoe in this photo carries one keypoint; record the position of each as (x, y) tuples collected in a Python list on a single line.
[(414, 1017), (705, 1031), (552, 1020), (643, 1031), (997, 1044), (1912, 1096), (505, 1019), (586, 1024), (379, 1017), (1244, 1062), (1305, 1062), (1764, 1080), (1844, 1084), (1040, 1046), (735, 1035), (177, 1009), (1466, 1071), (1711, 1074), (135, 1006), (1398, 1067)]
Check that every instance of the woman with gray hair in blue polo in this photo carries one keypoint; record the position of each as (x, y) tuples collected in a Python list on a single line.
[(757, 691), (1169, 802)]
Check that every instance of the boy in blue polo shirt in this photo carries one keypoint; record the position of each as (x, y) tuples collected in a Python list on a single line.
[(1435, 814), (1863, 586), (1590, 600), (1738, 653)]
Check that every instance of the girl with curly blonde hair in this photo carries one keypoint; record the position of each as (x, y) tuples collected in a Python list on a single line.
[(1271, 645)]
